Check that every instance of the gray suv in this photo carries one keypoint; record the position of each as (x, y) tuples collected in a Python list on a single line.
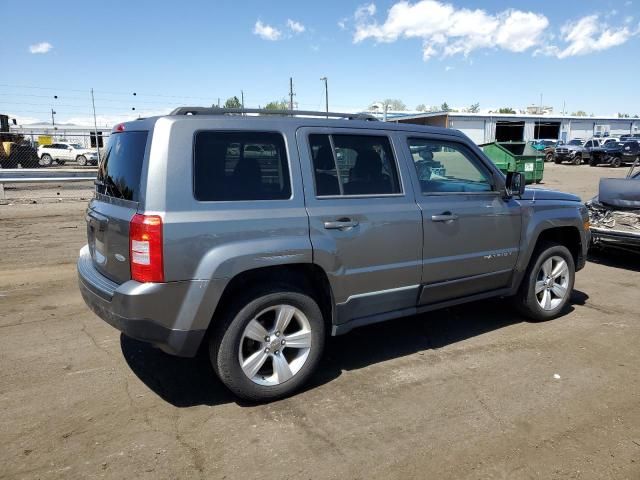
[(258, 236)]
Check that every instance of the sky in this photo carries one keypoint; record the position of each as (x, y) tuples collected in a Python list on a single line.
[(582, 54)]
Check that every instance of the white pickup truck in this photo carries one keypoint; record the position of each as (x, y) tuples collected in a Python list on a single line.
[(63, 152)]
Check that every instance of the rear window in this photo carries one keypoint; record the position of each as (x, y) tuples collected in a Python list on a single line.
[(240, 166), (121, 166)]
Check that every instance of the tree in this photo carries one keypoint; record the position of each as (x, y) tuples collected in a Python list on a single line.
[(232, 102), (444, 107), (394, 104), (623, 115), (475, 108), (277, 105), (506, 110), (421, 108), (579, 113)]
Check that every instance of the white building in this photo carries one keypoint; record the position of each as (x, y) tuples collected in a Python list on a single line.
[(487, 127)]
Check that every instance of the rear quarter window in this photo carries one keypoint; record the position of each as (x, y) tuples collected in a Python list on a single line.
[(121, 167), (236, 166)]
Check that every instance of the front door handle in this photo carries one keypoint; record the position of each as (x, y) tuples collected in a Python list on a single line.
[(341, 224), (444, 217)]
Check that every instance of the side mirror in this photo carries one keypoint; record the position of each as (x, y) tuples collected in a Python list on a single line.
[(515, 184)]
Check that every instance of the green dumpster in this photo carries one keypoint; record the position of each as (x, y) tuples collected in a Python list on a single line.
[(516, 157)]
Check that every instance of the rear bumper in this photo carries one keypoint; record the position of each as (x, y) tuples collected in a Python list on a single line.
[(158, 313)]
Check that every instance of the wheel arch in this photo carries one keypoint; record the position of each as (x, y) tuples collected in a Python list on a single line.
[(564, 233), (308, 277), (568, 236)]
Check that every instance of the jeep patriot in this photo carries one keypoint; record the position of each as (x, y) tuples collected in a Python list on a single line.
[(256, 237)]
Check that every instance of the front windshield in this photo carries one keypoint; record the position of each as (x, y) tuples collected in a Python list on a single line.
[(575, 142)]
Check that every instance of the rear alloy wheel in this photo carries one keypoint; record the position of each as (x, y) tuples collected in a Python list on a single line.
[(46, 160), (82, 160), (616, 162), (268, 346), (548, 283)]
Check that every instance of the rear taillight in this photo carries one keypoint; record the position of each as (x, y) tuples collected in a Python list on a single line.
[(145, 248)]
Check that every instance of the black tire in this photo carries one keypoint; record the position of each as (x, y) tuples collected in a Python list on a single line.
[(46, 160), (548, 157), (226, 338), (616, 162), (577, 160), (525, 300), (82, 160), (557, 160), (593, 162), (61, 162)]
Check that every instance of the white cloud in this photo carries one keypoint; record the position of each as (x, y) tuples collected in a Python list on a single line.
[(446, 30), (295, 27), (42, 47), (267, 32), (364, 11), (587, 35)]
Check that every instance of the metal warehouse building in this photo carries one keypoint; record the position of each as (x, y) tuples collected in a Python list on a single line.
[(484, 128)]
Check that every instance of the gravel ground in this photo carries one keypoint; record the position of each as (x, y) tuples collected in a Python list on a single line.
[(468, 392)]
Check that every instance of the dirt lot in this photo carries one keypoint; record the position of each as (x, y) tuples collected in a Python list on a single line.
[(469, 392)]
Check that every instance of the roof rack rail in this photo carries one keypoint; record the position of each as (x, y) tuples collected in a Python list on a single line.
[(289, 113)]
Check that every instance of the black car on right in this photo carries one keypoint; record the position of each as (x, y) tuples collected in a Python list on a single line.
[(615, 153)]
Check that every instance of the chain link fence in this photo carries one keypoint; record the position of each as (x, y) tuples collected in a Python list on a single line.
[(35, 148)]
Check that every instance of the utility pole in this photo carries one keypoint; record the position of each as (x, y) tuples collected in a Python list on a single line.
[(53, 120), (242, 99), (291, 94), (326, 95), (218, 102), (95, 124)]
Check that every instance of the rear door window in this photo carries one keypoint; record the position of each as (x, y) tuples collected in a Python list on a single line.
[(236, 166), (121, 167)]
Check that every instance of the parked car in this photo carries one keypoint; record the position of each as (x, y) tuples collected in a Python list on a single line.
[(569, 152), (547, 146), (577, 150), (615, 213), (63, 152), (615, 153), (258, 258), (542, 143)]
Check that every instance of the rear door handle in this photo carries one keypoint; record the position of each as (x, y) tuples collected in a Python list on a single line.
[(341, 224), (444, 217)]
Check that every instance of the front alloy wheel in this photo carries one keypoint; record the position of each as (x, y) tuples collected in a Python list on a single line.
[(552, 283), (275, 345), (548, 282)]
